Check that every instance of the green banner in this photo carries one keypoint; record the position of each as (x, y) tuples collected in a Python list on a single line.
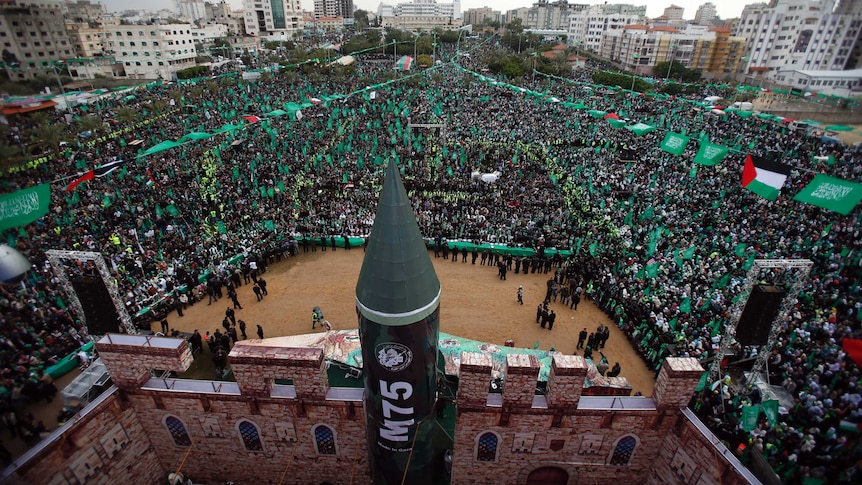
[(831, 193), (710, 154), (24, 206), (749, 417), (674, 143), (770, 410)]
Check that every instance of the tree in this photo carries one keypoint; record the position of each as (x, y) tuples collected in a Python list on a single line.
[(9, 154), (360, 19), (516, 26), (89, 123), (51, 135), (424, 60), (126, 114)]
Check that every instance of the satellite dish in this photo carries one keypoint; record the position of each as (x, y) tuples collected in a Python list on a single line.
[(13, 265)]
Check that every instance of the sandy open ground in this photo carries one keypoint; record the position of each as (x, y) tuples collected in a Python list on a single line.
[(475, 304)]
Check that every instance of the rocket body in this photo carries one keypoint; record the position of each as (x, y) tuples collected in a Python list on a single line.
[(398, 300)]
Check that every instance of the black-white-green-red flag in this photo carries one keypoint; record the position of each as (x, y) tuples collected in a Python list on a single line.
[(764, 177), (100, 171)]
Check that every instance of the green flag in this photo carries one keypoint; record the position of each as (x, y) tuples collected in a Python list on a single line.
[(648, 213), (172, 210), (685, 306), (831, 193), (740, 249), (770, 410), (749, 417), (269, 225), (221, 227), (24, 206), (674, 143), (702, 384), (689, 253), (709, 154), (652, 270)]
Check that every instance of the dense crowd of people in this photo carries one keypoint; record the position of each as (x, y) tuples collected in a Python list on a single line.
[(658, 243)]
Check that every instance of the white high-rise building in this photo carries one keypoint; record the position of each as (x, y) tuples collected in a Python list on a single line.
[(587, 26), (192, 10), (706, 13), (799, 35), (421, 8), (152, 51), (673, 13), (272, 19)]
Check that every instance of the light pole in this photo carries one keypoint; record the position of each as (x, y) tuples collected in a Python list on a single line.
[(62, 89), (634, 74), (670, 62)]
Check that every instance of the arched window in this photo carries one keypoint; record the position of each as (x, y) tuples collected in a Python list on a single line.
[(624, 450), (324, 440), (487, 447), (178, 431), (250, 436)]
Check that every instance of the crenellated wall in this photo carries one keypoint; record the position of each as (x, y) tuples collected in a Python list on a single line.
[(574, 438), (261, 428)]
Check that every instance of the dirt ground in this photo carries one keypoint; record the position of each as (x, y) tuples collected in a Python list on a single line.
[(475, 304)]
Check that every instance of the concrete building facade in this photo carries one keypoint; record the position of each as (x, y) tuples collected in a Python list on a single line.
[(706, 13), (587, 26), (481, 16), (673, 13), (152, 51), (638, 48), (273, 19), (333, 8), (84, 10), (36, 36), (799, 35)]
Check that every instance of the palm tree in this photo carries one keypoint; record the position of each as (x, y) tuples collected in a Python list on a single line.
[(50, 136), (89, 123), (126, 114), (159, 106), (8, 157)]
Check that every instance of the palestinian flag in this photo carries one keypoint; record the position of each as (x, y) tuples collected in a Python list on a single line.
[(764, 177), (97, 172), (251, 118), (404, 63), (313, 100)]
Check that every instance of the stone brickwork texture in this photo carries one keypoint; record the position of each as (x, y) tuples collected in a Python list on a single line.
[(126, 439)]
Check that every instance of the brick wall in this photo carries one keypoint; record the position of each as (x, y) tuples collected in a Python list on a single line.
[(521, 374), (106, 445), (256, 366), (129, 358), (125, 438)]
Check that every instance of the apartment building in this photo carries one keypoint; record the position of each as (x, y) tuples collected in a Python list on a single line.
[(272, 19), (152, 51), (587, 26), (36, 36)]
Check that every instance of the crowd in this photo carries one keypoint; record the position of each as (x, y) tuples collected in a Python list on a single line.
[(661, 245)]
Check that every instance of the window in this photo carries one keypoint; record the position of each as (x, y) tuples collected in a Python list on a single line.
[(250, 436), (178, 431), (624, 450), (487, 447), (324, 440)]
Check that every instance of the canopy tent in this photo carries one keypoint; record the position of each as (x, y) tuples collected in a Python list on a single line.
[(838, 128)]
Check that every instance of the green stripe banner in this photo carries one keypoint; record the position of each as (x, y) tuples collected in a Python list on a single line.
[(24, 206)]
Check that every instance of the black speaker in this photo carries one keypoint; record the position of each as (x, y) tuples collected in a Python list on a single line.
[(759, 314), (99, 311)]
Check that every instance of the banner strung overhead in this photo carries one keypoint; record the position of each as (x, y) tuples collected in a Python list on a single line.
[(710, 154), (831, 193), (674, 143), (24, 206)]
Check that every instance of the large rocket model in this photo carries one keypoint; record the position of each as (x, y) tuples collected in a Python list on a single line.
[(398, 300)]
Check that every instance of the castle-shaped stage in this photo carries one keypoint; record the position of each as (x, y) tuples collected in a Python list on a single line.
[(420, 417), (282, 422)]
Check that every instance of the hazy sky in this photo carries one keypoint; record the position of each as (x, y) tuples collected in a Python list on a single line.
[(726, 8)]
